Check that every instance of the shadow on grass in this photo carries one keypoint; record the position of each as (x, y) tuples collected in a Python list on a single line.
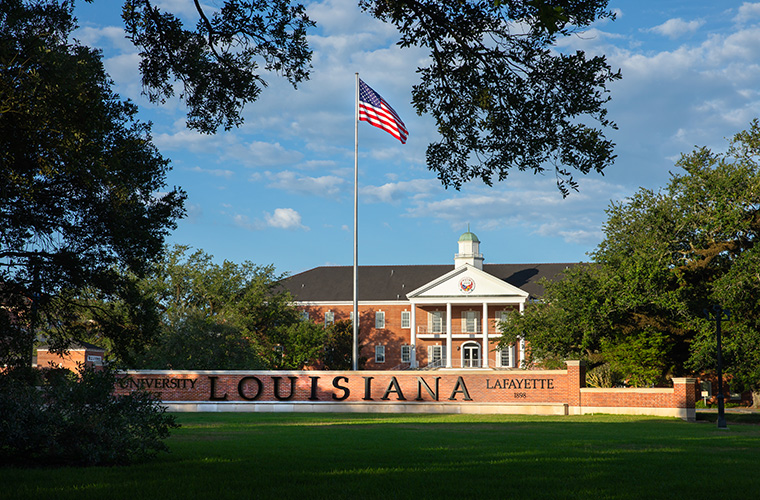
[(731, 417)]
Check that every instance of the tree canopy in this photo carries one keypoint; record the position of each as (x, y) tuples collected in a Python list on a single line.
[(82, 188), (501, 94), (667, 258), (230, 316)]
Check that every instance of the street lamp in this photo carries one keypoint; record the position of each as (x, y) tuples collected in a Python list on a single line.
[(718, 315)]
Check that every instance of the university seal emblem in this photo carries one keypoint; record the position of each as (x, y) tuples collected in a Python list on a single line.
[(467, 285)]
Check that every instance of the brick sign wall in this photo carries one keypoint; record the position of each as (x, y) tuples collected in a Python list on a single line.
[(444, 391)]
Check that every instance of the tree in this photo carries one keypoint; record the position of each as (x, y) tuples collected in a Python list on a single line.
[(224, 316), (82, 188), (339, 347), (667, 257), (66, 420), (501, 97), (218, 62)]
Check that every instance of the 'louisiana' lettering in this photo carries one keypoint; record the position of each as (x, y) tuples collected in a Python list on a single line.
[(213, 396), (277, 395), (460, 387), (393, 387), (346, 391), (244, 382)]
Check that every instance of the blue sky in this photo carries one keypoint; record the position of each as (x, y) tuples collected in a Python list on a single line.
[(279, 190)]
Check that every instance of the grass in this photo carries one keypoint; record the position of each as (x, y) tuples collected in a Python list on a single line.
[(358, 456)]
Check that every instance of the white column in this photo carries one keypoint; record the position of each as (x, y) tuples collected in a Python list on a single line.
[(484, 320), (448, 335), (414, 336)]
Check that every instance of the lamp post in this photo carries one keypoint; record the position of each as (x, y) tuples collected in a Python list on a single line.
[(718, 315)]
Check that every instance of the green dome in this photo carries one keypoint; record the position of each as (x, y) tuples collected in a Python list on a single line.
[(468, 236)]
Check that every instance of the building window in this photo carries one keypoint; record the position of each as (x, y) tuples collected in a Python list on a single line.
[(436, 321), (436, 355), (380, 319), (329, 318), (379, 354), (470, 320), (505, 357), (500, 317), (304, 315), (406, 319), (406, 354)]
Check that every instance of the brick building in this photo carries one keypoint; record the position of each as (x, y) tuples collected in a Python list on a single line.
[(79, 353), (420, 316)]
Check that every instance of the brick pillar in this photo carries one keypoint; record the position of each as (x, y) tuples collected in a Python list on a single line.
[(685, 397), (576, 378)]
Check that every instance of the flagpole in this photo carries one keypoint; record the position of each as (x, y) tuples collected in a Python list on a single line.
[(355, 322)]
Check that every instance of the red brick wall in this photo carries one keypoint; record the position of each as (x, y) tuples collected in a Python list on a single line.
[(682, 395), (461, 386), (70, 360), (456, 386), (393, 336)]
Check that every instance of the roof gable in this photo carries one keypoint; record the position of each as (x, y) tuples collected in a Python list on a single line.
[(467, 281), (331, 284)]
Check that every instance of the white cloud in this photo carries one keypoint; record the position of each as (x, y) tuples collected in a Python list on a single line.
[(747, 12), (675, 28), (394, 192), (533, 205), (327, 185), (245, 222), (285, 218), (227, 174)]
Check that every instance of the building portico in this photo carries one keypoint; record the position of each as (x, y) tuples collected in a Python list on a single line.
[(427, 316), (462, 309)]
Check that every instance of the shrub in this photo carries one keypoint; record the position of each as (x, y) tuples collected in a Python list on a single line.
[(62, 418)]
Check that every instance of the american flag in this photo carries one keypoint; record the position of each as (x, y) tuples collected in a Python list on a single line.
[(374, 109)]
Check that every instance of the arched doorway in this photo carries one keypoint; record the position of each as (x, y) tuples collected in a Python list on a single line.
[(470, 355)]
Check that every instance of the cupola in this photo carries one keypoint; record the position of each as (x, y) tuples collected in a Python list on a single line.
[(469, 251)]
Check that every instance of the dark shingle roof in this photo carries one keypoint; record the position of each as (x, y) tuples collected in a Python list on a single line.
[(381, 283)]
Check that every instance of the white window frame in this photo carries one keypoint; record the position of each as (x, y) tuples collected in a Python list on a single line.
[(379, 354), (406, 353), (380, 319), (509, 354), (304, 315), (329, 318), (406, 319), (436, 352), (501, 316), (438, 317), (470, 321)]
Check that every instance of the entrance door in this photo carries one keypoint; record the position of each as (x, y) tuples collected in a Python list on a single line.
[(471, 356)]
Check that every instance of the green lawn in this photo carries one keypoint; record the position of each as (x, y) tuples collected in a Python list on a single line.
[(305, 456)]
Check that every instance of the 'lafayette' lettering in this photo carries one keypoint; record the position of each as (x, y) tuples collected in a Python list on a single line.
[(520, 383)]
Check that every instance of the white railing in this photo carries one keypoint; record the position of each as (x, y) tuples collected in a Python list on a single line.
[(424, 329)]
